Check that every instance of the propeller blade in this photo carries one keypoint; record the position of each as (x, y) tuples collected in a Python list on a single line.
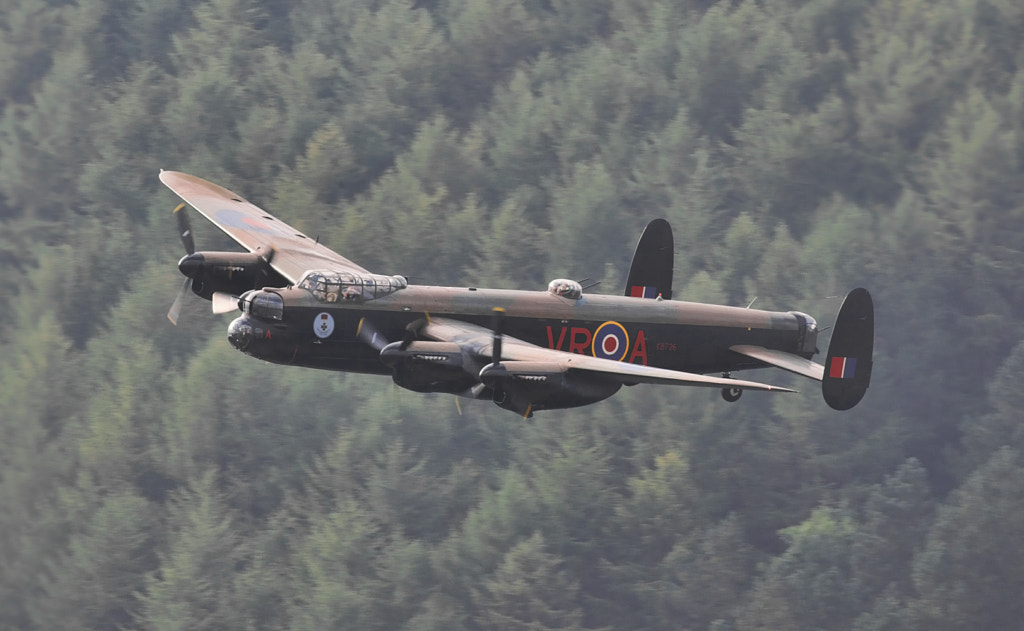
[(175, 311), (369, 334), (266, 255), (498, 394), (185, 232), (185, 228), (412, 330), (224, 302), (499, 331)]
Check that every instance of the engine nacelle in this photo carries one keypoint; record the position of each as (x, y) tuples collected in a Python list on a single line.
[(428, 366), (229, 272), (527, 386)]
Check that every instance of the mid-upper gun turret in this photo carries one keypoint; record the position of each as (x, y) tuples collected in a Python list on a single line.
[(565, 288)]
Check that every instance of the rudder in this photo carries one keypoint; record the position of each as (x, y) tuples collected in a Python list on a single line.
[(650, 273), (849, 360)]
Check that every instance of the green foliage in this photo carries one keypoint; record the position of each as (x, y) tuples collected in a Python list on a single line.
[(587, 204), (966, 574), (658, 509), (529, 591), (984, 435), (512, 236), (34, 467), (807, 586), (44, 144), (897, 513), (29, 32), (96, 579), (193, 587)]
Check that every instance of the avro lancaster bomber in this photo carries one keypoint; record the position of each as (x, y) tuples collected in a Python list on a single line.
[(302, 304)]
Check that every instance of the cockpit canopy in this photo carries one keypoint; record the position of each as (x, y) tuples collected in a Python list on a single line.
[(566, 288), (328, 286)]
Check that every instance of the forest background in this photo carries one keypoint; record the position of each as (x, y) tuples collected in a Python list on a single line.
[(151, 477)]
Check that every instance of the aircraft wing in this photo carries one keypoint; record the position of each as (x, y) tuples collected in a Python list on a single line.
[(256, 230), (783, 360), (478, 340)]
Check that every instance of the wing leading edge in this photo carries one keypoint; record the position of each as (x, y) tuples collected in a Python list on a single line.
[(256, 230), (478, 340)]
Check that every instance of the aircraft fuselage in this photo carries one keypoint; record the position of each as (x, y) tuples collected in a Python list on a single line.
[(676, 335)]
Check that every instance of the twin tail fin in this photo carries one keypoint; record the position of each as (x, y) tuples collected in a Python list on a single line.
[(650, 274)]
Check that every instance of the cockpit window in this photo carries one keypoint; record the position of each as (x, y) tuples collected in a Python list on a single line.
[(566, 288), (341, 286)]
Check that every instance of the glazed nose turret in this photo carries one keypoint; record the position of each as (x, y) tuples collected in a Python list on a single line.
[(241, 333)]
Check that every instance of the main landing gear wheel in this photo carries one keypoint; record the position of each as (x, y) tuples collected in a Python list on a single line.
[(731, 394)]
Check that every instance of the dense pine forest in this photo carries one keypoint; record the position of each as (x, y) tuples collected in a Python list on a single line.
[(153, 478)]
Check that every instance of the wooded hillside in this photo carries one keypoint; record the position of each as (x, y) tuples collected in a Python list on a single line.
[(153, 478)]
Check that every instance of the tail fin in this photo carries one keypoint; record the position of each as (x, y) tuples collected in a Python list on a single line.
[(650, 274), (848, 364)]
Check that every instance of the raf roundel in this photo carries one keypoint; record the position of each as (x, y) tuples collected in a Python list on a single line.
[(323, 325), (611, 342), (233, 218)]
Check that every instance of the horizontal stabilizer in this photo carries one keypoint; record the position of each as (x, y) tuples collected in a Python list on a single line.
[(783, 360)]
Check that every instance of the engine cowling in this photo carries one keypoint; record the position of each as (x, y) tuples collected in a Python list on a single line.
[(524, 387), (228, 272), (428, 366)]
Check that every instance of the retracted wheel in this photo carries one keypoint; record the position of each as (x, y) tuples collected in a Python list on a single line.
[(731, 394)]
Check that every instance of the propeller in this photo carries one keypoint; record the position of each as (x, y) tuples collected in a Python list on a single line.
[(185, 228), (498, 327), (266, 254), (369, 334), (498, 394), (224, 302), (185, 232), (175, 310)]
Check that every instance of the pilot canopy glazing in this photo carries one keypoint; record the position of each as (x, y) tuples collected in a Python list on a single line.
[(333, 287)]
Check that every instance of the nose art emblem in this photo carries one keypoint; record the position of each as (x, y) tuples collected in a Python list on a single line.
[(323, 325)]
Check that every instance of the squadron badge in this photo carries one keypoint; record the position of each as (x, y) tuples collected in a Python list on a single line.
[(323, 325)]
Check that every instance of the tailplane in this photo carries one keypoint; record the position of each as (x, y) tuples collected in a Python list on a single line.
[(650, 274), (848, 364)]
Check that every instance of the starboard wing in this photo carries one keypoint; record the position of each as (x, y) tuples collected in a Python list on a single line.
[(478, 341), (256, 230)]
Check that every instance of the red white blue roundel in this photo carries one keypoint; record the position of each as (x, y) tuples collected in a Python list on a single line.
[(611, 341)]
